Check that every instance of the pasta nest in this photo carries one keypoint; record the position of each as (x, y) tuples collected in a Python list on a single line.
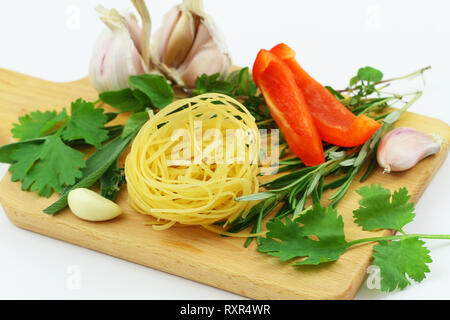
[(191, 160)]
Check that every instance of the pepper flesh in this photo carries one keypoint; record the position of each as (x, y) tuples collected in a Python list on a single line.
[(335, 123), (288, 107)]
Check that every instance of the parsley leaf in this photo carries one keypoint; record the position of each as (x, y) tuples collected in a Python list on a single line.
[(87, 123), (396, 259), (46, 167), (36, 124), (376, 211), (48, 163), (323, 223)]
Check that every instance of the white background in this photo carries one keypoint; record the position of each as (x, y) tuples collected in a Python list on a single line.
[(53, 39)]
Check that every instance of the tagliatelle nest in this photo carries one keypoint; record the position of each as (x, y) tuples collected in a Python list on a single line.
[(191, 160)]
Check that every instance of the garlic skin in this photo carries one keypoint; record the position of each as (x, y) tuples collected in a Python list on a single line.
[(402, 148), (189, 44), (118, 51)]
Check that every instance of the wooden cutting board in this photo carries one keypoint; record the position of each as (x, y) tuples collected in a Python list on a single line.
[(192, 252)]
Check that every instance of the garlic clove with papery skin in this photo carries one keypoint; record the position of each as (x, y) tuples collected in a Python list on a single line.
[(402, 148), (121, 49), (189, 44), (114, 59), (181, 40)]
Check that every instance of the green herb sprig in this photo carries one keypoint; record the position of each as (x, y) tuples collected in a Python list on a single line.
[(46, 158), (238, 84), (303, 183), (43, 160), (397, 256)]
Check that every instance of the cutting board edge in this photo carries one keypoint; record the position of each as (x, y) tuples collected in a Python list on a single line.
[(345, 293), (21, 74)]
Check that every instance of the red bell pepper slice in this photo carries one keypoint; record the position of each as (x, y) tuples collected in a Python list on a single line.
[(334, 122), (288, 107)]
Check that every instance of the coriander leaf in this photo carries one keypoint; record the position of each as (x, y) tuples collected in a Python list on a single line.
[(46, 167), (135, 121), (324, 223), (23, 158), (124, 100), (86, 122), (376, 211), (396, 259), (8, 149), (36, 124), (370, 74), (155, 87), (96, 165)]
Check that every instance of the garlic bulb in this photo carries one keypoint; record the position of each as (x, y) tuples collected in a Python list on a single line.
[(189, 44), (402, 148), (121, 50)]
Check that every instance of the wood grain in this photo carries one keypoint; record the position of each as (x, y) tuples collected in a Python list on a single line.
[(192, 252)]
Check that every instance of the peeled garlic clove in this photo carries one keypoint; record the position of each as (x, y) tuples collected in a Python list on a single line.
[(402, 148), (89, 205), (189, 44)]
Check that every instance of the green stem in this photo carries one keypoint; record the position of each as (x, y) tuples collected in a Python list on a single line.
[(307, 176), (398, 96), (376, 104), (418, 72), (394, 115), (264, 122), (400, 237), (415, 73), (418, 94)]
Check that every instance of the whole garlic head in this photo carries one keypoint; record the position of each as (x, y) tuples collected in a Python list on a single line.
[(119, 51), (402, 148), (189, 44)]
